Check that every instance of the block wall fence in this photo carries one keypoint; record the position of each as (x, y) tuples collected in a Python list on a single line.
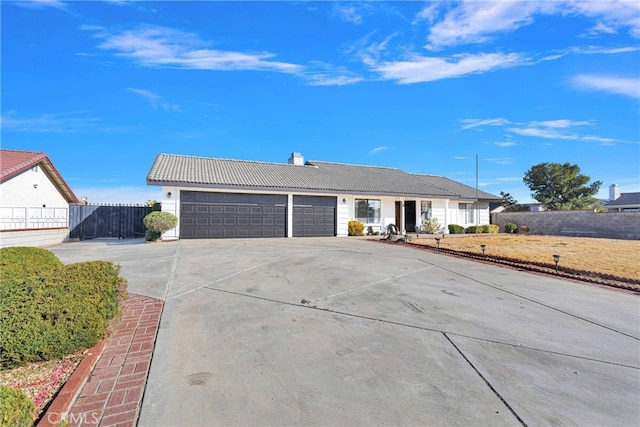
[(580, 223)]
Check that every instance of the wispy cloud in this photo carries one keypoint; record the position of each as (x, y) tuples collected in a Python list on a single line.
[(348, 12), (499, 161), (478, 22), (154, 100), (379, 150), (322, 74), (611, 84), (472, 123), (460, 157), (504, 144), (560, 129), (54, 123), (41, 4), (425, 69), (158, 47)]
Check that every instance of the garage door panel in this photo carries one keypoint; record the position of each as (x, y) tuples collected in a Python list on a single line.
[(314, 216), (231, 215)]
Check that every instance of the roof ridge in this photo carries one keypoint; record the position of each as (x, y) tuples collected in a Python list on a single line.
[(352, 164), (226, 159)]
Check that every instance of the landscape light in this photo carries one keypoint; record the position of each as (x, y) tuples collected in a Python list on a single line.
[(483, 247), (556, 258), (438, 242)]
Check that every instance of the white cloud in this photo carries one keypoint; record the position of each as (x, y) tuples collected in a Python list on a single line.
[(41, 4), (54, 123), (472, 123), (475, 21), (425, 69), (479, 21), (500, 161), (379, 150), (322, 74), (154, 100), (611, 15), (505, 144), (615, 85), (153, 46), (348, 13)]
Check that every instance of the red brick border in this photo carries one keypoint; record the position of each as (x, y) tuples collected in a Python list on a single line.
[(113, 380)]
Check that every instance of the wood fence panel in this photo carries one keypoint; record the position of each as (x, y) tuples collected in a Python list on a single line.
[(93, 221)]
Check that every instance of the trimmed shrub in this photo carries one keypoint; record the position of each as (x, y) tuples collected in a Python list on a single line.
[(25, 260), (474, 229), (52, 314), (490, 228), (456, 229), (431, 226), (510, 228), (16, 409), (159, 222), (356, 228)]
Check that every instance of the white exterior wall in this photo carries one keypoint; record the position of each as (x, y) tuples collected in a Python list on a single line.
[(44, 237), (31, 200), (445, 211)]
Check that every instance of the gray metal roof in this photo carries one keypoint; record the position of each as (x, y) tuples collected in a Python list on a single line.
[(625, 199), (314, 176)]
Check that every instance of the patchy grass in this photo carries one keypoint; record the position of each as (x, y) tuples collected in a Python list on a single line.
[(606, 256)]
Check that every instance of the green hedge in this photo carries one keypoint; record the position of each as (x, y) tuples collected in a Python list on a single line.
[(490, 228), (49, 314), (474, 229), (356, 228), (510, 228), (16, 409), (455, 229)]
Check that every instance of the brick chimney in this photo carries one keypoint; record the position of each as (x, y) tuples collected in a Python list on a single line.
[(614, 192), (296, 159)]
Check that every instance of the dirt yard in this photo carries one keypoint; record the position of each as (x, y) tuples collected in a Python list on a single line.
[(608, 256)]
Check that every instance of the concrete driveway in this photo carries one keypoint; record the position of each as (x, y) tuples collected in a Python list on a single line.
[(341, 331)]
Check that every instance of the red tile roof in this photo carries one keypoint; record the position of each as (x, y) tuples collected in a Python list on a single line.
[(13, 162)]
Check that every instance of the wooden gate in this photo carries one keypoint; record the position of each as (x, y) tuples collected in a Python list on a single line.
[(93, 221)]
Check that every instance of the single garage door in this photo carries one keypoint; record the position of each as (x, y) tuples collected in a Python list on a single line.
[(314, 216), (226, 215)]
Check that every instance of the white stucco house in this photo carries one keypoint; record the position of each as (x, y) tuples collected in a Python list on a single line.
[(222, 198), (34, 200)]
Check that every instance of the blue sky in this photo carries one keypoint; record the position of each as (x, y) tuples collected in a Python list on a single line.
[(103, 87)]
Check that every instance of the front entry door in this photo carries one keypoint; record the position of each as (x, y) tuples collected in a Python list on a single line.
[(410, 216)]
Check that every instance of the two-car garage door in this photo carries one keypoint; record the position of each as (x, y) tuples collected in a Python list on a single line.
[(205, 215)]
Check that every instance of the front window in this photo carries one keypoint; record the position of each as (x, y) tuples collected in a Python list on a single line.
[(425, 210), (466, 213), (368, 211)]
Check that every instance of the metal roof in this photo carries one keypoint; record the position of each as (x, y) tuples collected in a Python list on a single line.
[(313, 176), (14, 162)]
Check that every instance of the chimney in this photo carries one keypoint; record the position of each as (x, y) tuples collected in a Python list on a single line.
[(614, 191), (296, 159)]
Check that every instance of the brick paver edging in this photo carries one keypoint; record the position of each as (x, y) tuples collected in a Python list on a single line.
[(112, 392)]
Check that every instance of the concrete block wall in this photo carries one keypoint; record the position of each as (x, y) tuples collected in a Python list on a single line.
[(581, 223), (38, 237)]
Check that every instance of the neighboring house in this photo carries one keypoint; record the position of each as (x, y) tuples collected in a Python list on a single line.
[(622, 202), (221, 198), (34, 200)]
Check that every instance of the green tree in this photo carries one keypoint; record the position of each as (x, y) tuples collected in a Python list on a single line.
[(510, 204), (561, 186)]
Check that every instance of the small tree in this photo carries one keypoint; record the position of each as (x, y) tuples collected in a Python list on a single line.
[(157, 223), (510, 204), (561, 186)]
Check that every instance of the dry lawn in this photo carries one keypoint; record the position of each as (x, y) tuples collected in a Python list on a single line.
[(609, 256)]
